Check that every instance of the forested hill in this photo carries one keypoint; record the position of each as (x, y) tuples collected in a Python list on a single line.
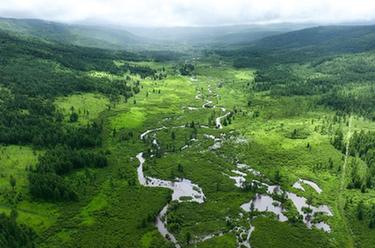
[(304, 45), (33, 73), (25, 61), (330, 38), (335, 64), (140, 38), (80, 35)]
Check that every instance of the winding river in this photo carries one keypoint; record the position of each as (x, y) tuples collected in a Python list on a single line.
[(183, 189)]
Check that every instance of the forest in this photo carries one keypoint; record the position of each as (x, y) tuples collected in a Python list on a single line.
[(33, 74)]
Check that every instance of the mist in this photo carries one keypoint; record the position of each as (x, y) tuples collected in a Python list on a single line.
[(167, 13)]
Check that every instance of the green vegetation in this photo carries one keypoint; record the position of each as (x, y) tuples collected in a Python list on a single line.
[(132, 119), (71, 120)]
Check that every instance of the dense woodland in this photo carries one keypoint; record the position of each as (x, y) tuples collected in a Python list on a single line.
[(362, 146), (343, 83), (14, 235), (46, 180), (32, 74)]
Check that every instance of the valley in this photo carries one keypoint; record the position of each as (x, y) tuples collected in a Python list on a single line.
[(107, 148)]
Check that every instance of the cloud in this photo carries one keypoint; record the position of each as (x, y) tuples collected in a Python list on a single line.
[(191, 12)]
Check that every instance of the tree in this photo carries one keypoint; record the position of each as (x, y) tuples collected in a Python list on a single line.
[(360, 210), (225, 123), (12, 182), (372, 219), (309, 200), (252, 207), (180, 168), (338, 140), (13, 215), (188, 237), (294, 134), (13, 235), (73, 117), (277, 176)]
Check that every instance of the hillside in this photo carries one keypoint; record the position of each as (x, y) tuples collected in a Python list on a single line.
[(139, 38), (80, 35), (305, 45), (328, 38)]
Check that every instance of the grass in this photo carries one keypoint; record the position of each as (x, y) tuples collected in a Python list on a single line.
[(13, 162), (132, 119), (98, 203), (87, 105), (270, 233), (219, 242)]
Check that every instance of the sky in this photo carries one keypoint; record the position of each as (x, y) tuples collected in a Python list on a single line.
[(191, 12)]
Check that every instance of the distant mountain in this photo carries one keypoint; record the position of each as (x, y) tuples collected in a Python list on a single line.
[(138, 38), (329, 38), (219, 35), (303, 45)]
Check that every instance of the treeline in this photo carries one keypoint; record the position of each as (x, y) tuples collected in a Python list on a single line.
[(13, 235), (25, 73), (46, 179), (143, 71), (362, 146), (33, 73), (162, 55), (35, 121), (362, 103), (80, 58), (366, 213), (343, 83), (283, 81)]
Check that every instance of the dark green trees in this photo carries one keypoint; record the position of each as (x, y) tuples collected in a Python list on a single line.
[(73, 117), (13, 235), (186, 69), (46, 180)]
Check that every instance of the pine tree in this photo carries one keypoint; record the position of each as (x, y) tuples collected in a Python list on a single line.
[(360, 210), (12, 182)]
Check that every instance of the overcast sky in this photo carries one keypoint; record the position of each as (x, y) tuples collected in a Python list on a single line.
[(191, 12)]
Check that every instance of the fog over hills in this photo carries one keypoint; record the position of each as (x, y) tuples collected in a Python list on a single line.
[(118, 37)]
